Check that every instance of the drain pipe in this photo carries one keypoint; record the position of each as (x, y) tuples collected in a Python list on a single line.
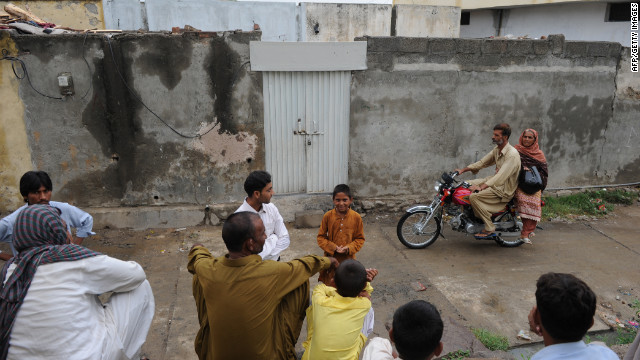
[(500, 15), (593, 186)]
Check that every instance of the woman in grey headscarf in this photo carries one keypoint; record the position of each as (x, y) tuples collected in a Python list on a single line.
[(49, 305)]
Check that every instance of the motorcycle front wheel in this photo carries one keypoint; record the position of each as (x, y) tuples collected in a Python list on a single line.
[(419, 229)]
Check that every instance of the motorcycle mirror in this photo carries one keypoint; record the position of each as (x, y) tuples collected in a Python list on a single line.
[(447, 178)]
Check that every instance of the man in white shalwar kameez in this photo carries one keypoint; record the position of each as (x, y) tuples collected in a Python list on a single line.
[(49, 298)]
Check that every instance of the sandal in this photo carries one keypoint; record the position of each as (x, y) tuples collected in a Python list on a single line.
[(526, 240), (484, 235)]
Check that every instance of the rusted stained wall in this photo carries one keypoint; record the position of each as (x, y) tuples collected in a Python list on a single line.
[(15, 155), (107, 149)]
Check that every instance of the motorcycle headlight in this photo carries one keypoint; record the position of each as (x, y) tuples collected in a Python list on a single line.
[(436, 187)]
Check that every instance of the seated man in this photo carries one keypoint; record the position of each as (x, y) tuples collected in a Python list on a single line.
[(416, 331), (249, 308), (49, 297), (491, 194), (564, 311), (340, 317), (35, 188)]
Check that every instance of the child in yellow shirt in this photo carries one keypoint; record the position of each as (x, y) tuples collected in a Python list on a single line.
[(340, 317)]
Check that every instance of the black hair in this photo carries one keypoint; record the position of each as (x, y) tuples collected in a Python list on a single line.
[(566, 306), (350, 278), (256, 181), (417, 330), (505, 128), (341, 188), (31, 181), (238, 228)]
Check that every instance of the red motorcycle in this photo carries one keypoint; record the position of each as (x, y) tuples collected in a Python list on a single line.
[(421, 225)]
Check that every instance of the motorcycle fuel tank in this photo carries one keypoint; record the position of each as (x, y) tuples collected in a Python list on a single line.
[(461, 196)]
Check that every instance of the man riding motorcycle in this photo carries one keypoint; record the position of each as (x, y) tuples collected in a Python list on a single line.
[(491, 194)]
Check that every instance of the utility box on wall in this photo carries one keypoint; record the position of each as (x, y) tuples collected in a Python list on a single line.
[(65, 83)]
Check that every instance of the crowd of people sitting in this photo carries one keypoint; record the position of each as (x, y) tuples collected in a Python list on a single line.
[(250, 304)]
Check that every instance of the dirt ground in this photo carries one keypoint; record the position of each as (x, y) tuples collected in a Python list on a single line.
[(475, 284)]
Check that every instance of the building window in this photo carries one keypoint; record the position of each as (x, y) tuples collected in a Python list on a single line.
[(618, 12), (465, 17)]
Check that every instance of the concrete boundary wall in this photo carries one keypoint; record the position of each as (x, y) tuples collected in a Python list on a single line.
[(427, 105), (423, 106), (103, 148)]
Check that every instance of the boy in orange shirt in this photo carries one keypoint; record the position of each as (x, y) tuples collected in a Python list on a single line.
[(341, 233)]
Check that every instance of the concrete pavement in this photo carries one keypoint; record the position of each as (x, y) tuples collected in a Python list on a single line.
[(474, 283)]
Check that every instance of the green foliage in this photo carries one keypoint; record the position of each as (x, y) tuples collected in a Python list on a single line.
[(595, 203), (635, 305), (525, 357), (490, 340), (625, 335), (457, 355)]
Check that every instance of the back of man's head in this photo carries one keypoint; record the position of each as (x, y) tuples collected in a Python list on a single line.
[(350, 278), (505, 128), (566, 306), (238, 228), (417, 330), (256, 181), (31, 181)]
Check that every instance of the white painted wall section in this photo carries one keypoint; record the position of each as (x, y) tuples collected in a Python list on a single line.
[(308, 56), (427, 21), (277, 20), (481, 25), (577, 21), (344, 22)]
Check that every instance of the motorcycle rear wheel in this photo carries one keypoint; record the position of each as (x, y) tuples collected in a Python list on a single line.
[(512, 240), (509, 243), (413, 234)]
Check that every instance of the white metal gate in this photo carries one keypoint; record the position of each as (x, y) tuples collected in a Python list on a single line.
[(306, 129)]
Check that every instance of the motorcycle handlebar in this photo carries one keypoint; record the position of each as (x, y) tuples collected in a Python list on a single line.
[(454, 174)]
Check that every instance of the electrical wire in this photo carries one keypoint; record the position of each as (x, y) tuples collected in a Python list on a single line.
[(151, 111), (25, 73), (88, 67)]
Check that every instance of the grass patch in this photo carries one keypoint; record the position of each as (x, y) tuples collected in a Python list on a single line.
[(457, 355), (626, 335), (594, 203), (490, 340)]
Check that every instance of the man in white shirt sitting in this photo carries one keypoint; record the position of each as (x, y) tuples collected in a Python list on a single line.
[(259, 192), (35, 188), (564, 311)]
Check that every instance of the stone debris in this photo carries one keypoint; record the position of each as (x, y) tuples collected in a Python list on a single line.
[(524, 335)]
